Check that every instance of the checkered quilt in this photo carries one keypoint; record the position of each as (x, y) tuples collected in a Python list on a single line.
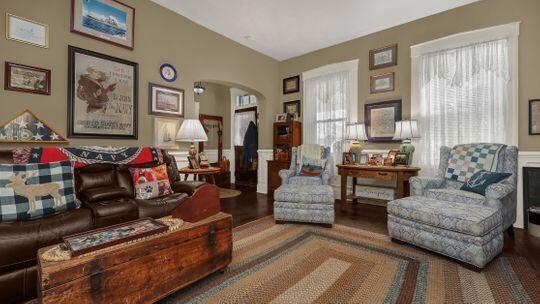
[(466, 160), (30, 191)]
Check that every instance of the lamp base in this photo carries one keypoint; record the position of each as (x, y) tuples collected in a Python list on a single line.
[(192, 152), (356, 149), (408, 148)]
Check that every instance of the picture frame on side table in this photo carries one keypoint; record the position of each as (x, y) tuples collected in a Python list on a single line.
[(281, 117), (380, 119), (102, 95), (27, 31), (292, 107), (291, 84), (401, 159), (193, 163), (382, 83), (383, 57), (534, 117), (28, 79), (364, 159), (348, 158), (109, 21), (165, 101), (165, 132)]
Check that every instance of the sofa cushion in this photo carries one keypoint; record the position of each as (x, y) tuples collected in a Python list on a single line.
[(31, 191), (151, 182), (104, 193), (457, 196), (479, 182), (466, 160), (305, 180), (469, 219), (161, 206), (19, 241), (113, 211), (96, 175), (307, 194)]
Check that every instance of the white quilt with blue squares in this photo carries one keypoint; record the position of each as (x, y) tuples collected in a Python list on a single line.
[(466, 160)]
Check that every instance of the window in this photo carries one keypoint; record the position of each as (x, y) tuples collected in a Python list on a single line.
[(463, 91), (330, 95)]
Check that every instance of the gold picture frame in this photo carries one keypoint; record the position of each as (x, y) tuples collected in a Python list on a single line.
[(26, 22)]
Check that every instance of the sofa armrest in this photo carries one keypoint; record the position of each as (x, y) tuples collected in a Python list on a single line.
[(419, 184), (187, 187), (285, 174), (498, 191)]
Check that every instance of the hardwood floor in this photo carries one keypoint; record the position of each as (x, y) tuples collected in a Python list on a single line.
[(251, 205)]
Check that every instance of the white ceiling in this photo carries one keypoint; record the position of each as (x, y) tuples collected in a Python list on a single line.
[(284, 29)]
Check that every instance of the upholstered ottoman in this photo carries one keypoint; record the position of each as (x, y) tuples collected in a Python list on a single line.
[(304, 203), (466, 232)]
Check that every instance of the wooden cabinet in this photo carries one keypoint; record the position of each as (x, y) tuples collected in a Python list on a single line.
[(287, 134), (274, 180)]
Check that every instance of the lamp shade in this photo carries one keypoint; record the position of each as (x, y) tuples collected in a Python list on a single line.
[(191, 131), (356, 131), (406, 129)]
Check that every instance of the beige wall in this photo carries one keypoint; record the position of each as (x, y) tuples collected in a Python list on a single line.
[(216, 100), (474, 16), (160, 36)]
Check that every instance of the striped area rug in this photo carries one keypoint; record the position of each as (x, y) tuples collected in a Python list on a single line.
[(310, 264)]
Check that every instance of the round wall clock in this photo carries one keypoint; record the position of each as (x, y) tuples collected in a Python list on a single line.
[(168, 72)]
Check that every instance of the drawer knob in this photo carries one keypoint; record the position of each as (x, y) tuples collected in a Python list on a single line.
[(383, 173)]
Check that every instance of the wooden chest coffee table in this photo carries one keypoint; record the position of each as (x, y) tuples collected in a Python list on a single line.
[(143, 271)]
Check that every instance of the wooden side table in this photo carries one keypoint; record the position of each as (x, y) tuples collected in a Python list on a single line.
[(206, 172), (399, 175)]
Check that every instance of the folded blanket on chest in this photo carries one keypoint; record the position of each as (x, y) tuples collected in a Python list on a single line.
[(83, 156)]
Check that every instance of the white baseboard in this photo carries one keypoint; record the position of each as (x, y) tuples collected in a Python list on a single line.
[(262, 170)]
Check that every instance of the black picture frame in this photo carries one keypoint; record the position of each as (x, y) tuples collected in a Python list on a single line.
[(401, 159), (532, 103), (151, 101), (368, 118), (295, 103), (10, 86), (295, 79), (72, 51)]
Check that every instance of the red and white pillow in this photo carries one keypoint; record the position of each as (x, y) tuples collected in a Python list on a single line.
[(151, 182)]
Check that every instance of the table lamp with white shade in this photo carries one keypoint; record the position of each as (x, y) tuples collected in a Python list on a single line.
[(356, 132), (191, 131), (406, 130)]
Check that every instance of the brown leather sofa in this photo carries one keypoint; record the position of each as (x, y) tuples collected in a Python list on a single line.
[(107, 195)]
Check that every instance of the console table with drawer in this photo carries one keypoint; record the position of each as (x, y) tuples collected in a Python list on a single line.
[(388, 177)]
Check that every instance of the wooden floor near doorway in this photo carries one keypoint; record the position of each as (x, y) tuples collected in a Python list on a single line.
[(251, 205)]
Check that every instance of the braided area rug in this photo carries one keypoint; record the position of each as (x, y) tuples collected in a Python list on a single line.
[(296, 263)]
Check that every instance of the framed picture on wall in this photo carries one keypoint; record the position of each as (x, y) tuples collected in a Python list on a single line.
[(383, 57), (292, 108), (106, 20), (27, 31), (291, 84), (381, 83), (165, 101), (102, 95), (380, 119), (165, 132), (534, 117), (25, 78)]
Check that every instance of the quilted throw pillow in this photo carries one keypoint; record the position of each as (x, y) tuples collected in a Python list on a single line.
[(151, 182), (482, 179), (30, 191), (311, 167), (466, 160)]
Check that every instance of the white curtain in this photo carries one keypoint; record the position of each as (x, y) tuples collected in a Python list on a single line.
[(241, 123), (463, 98), (326, 104)]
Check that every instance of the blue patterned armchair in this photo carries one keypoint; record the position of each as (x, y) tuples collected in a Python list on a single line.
[(463, 225), (305, 198)]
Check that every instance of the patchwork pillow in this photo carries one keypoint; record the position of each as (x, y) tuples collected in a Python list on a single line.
[(482, 179), (30, 191), (311, 167), (466, 160), (151, 182)]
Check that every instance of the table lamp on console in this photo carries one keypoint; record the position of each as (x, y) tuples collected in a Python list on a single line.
[(405, 131), (191, 131), (356, 132)]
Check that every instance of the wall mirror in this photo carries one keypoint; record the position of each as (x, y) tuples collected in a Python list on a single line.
[(213, 125)]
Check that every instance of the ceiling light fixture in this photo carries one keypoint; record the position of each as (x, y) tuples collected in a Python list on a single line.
[(198, 89)]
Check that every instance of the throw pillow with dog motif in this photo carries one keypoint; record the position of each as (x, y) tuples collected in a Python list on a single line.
[(30, 191)]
